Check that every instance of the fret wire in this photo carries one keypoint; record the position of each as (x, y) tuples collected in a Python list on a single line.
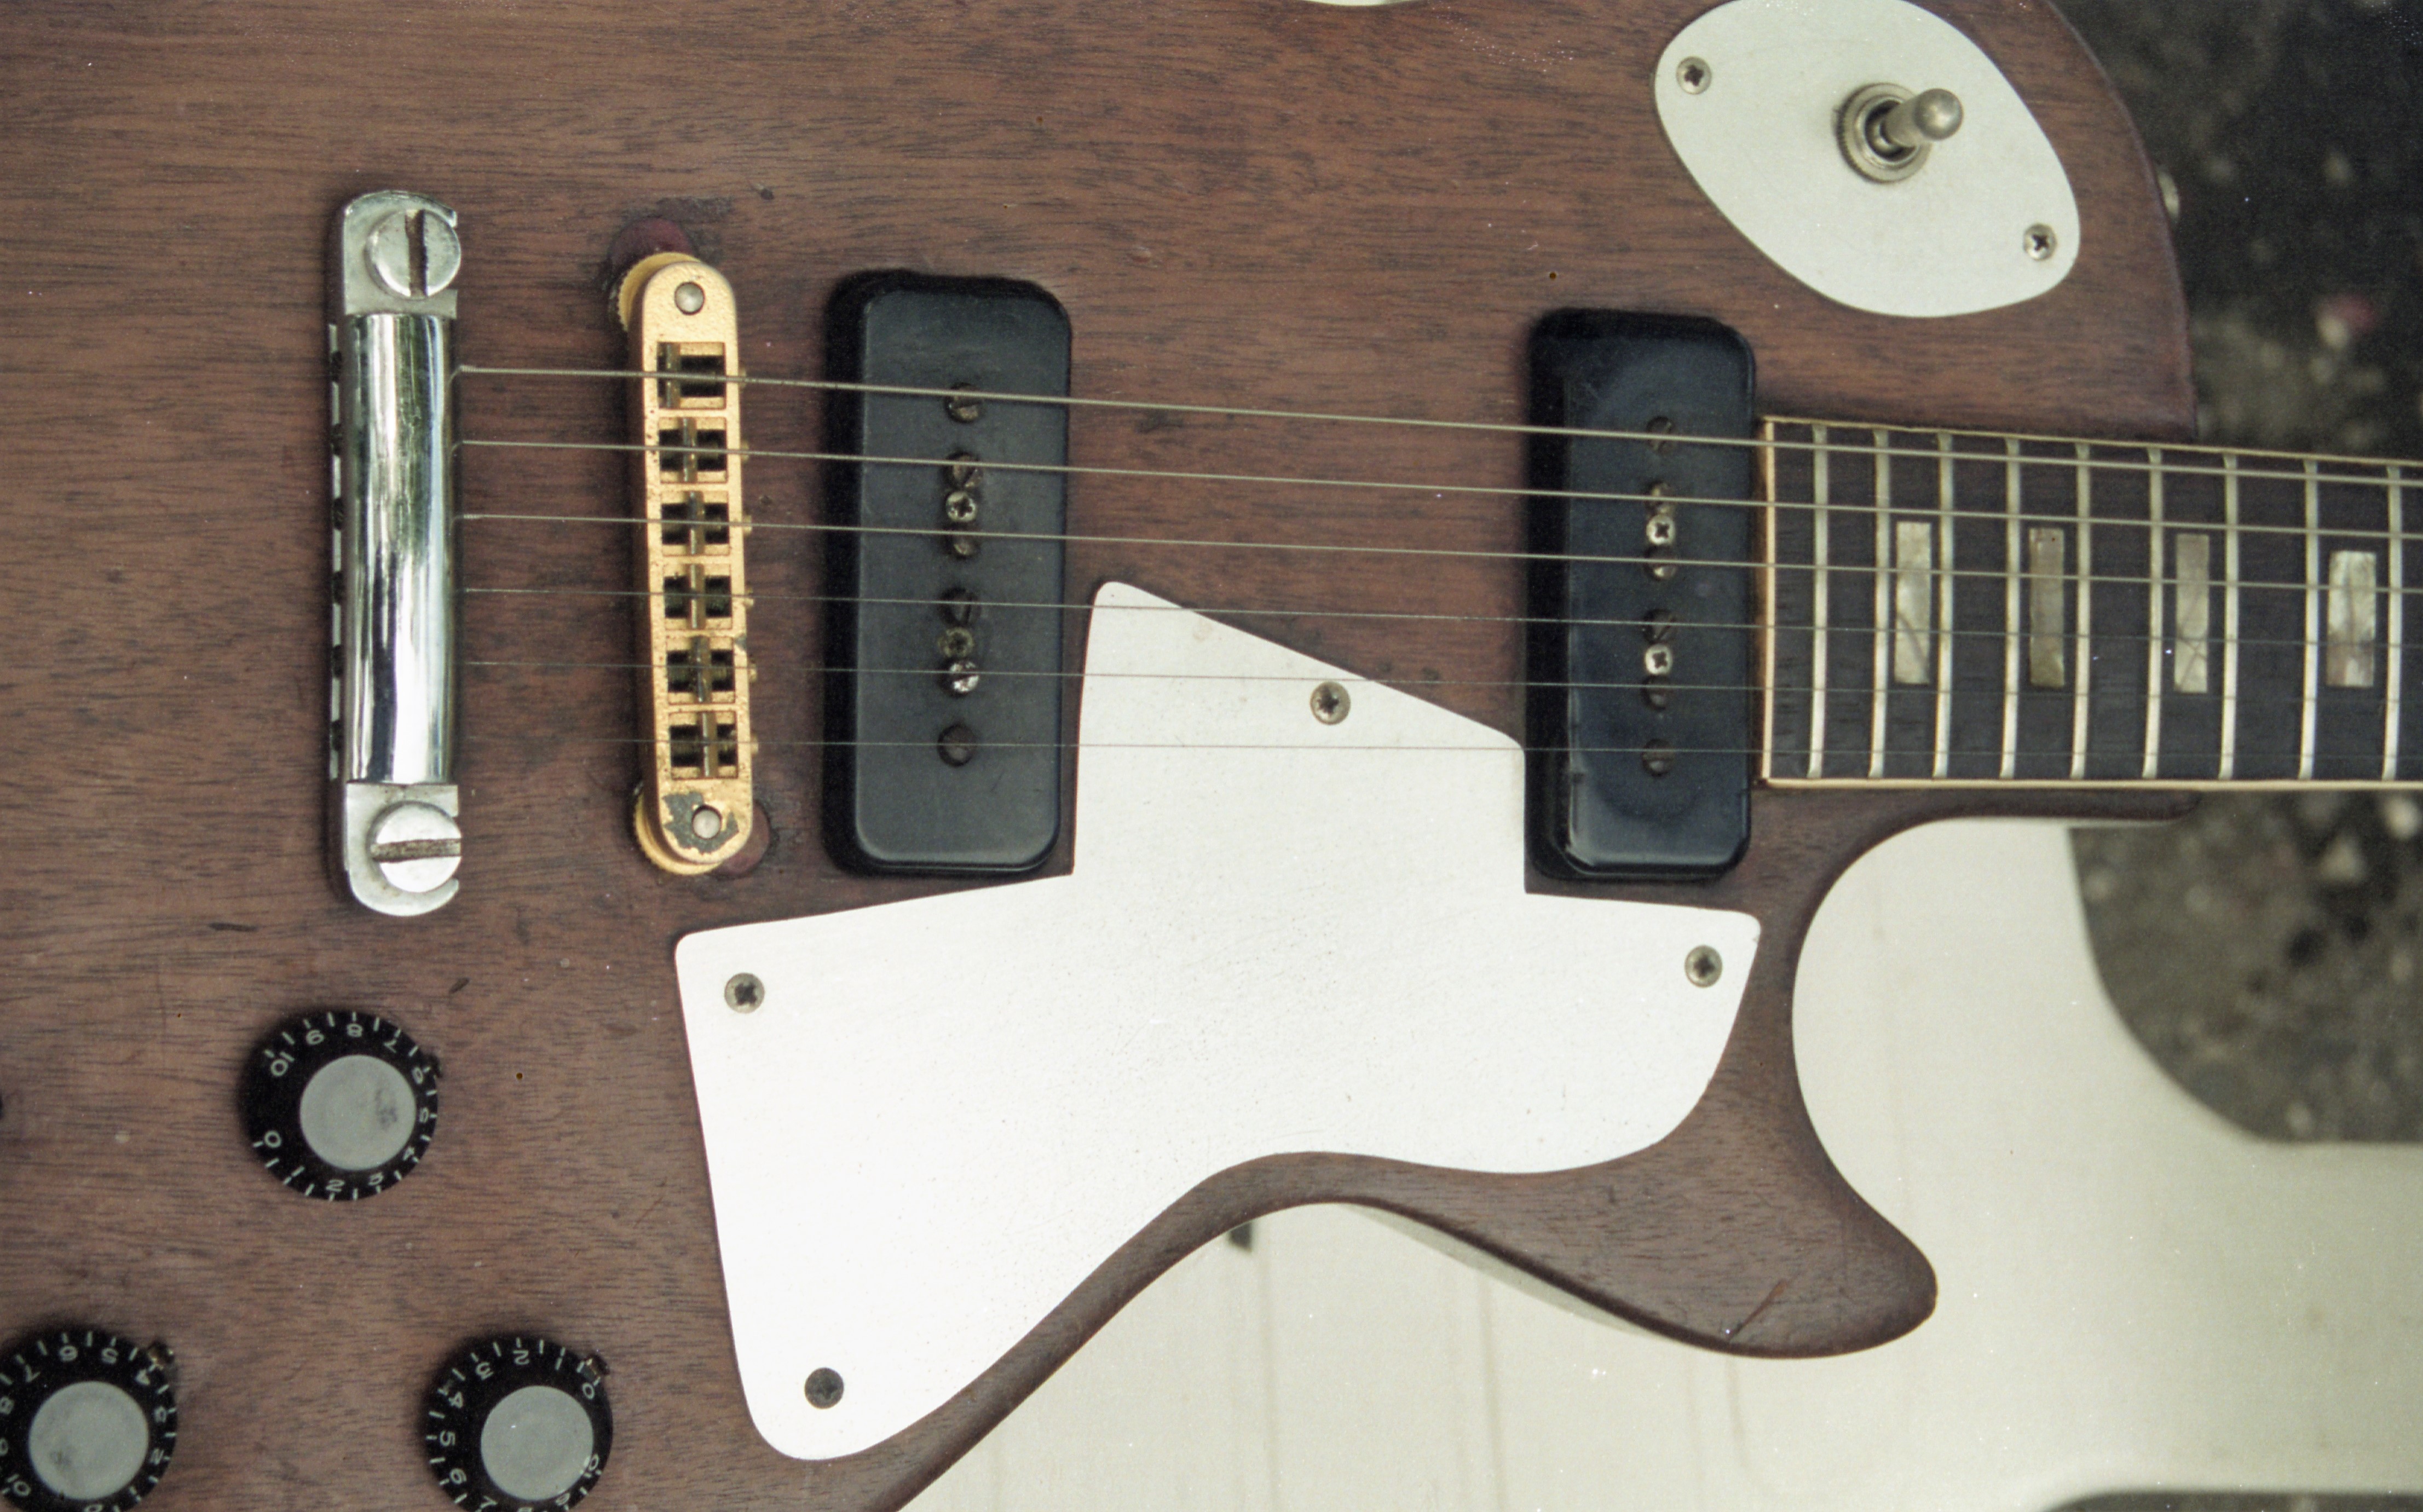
[(1943, 611), (1773, 608), (1881, 496), (2153, 612), (2011, 613), (2311, 676), (1821, 491), (2396, 667), (2078, 715), (2227, 767)]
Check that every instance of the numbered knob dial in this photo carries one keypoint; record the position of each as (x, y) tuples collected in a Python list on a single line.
[(339, 1105), (87, 1421), (518, 1425)]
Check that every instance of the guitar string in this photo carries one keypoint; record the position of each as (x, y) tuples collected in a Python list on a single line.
[(2130, 755), (753, 597), (1414, 684), (1012, 537), (1396, 485), (1661, 438)]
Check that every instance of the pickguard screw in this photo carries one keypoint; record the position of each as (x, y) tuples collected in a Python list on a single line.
[(690, 299), (957, 746), (1330, 703), (1694, 75), (1702, 966), (2040, 242), (966, 411), (1657, 758), (824, 1386), (744, 994)]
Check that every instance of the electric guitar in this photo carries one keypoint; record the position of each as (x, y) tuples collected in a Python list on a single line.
[(1354, 305)]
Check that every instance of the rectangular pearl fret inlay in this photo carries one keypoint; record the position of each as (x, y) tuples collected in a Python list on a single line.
[(2353, 620), (1913, 602), (2192, 614), (2048, 626), (2165, 614)]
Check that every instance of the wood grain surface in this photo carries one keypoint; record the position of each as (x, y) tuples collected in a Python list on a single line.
[(1255, 202)]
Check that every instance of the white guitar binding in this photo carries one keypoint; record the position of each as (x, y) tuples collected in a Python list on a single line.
[(928, 1121)]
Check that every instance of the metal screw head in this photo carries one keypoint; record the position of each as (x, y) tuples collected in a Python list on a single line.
[(1694, 75), (744, 994), (961, 408), (956, 745), (1658, 660), (1659, 530), (824, 1386), (960, 678), (960, 506), (416, 846), (414, 254), (690, 299), (957, 643), (2040, 242), (1330, 703), (1702, 966)]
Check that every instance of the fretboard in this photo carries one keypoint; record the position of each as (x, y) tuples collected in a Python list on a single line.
[(1950, 607)]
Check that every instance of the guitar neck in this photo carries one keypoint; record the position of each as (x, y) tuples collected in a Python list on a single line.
[(1951, 607)]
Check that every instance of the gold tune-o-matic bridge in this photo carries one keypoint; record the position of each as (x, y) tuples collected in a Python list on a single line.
[(695, 805)]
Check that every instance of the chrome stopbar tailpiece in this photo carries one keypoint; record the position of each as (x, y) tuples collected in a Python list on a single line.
[(394, 813)]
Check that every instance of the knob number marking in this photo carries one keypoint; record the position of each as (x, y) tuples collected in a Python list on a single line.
[(339, 1105), (87, 1422), (517, 1424)]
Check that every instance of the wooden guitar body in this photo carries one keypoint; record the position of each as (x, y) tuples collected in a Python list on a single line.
[(1256, 203)]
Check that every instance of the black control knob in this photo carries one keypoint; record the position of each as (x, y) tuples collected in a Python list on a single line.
[(518, 1425), (339, 1105), (87, 1421)]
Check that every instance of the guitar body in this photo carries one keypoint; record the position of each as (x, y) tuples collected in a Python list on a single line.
[(1256, 203)]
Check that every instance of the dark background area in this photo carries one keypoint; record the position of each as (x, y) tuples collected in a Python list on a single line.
[(2268, 950)]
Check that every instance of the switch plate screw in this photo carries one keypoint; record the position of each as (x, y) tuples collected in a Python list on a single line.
[(1330, 703), (744, 994)]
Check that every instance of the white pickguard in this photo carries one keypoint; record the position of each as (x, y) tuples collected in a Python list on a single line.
[(1279, 936)]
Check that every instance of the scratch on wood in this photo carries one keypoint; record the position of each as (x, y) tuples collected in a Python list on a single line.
[(1764, 1302)]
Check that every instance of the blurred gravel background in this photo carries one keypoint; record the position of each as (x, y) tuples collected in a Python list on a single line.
[(2267, 948)]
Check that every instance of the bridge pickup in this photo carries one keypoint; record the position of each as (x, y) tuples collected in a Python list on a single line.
[(697, 794), (1642, 707), (942, 710)]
